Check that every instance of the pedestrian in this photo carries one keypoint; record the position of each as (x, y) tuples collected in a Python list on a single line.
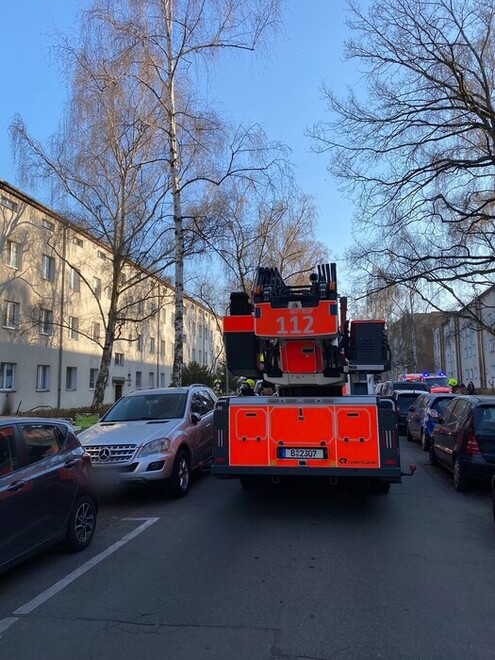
[(471, 388), (247, 388)]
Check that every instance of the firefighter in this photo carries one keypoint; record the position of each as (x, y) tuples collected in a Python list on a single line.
[(247, 388)]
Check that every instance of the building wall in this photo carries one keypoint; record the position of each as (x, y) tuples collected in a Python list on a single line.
[(468, 351), (48, 332)]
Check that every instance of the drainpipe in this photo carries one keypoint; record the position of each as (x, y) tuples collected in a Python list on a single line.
[(61, 324)]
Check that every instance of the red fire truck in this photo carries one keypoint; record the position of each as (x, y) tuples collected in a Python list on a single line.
[(299, 338)]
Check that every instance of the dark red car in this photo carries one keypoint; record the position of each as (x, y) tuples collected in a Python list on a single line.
[(46, 493), (463, 440)]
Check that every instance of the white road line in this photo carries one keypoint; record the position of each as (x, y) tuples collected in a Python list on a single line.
[(64, 582), (6, 623)]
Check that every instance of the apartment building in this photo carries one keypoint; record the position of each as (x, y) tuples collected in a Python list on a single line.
[(54, 296), (465, 350)]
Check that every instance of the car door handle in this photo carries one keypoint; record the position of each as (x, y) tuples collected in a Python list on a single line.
[(70, 464), (17, 485)]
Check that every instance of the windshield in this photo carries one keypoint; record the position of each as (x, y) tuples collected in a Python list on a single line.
[(437, 380), (409, 385), (167, 405), (406, 400), (440, 404)]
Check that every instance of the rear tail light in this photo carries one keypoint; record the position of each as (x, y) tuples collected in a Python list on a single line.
[(472, 447)]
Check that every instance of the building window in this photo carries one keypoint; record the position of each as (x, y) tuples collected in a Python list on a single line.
[(141, 307), (140, 342), (75, 280), (93, 375), (47, 224), (71, 378), (152, 345), (13, 254), (139, 378), (7, 375), (119, 359), (11, 317), (78, 241), (151, 379), (162, 347), (162, 379), (97, 287), (48, 268), (43, 378), (9, 204), (73, 327), (101, 255), (95, 331), (46, 322)]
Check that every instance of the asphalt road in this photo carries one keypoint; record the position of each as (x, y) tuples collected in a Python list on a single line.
[(307, 572)]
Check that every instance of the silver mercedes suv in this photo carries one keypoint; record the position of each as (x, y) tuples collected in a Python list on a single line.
[(154, 436)]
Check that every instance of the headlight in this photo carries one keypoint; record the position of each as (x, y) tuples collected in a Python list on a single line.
[(155, 447)]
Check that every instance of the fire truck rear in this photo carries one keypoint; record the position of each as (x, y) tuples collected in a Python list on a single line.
[(299, 338)]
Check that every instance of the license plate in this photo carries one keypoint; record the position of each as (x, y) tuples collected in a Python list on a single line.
[(298, 452)]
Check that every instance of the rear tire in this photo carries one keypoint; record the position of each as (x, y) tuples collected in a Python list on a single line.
[(81, 525), (425, 440), (408, 435), (180, 480), (461, 481)]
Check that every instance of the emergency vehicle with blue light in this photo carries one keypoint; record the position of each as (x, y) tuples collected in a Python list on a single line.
[(299, 339)]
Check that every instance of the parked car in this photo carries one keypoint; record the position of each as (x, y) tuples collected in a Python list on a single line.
[(155, 437), (463, 440), (46, 492), (493, 498), (403, 399), (423, 415), (389, 386)]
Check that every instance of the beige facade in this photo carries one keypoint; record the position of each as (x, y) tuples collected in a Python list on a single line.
[(54, 295)]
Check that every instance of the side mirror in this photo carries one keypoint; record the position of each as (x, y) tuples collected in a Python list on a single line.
[(195, 418)]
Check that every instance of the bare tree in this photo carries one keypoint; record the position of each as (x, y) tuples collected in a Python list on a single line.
[(169, 37), (104, 163), (266, 228), (417, 150)]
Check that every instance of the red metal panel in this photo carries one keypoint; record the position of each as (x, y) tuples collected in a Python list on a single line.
[(296, 322), (238, 323)]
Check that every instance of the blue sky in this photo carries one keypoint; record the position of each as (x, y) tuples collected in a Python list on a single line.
[(280, 89)]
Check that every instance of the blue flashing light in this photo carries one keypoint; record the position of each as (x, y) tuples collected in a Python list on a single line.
[(426, 373), (441, 373)]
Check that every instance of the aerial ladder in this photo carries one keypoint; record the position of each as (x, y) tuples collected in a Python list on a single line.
[(299, 339)]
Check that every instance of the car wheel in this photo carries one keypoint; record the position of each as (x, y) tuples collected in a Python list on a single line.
[(81, 525), (408, 434), (425, 440), (181, 475), (431, 454), (379, 486), (461, 482)]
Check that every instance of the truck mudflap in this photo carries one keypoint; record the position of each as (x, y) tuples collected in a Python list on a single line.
[(353, 436)]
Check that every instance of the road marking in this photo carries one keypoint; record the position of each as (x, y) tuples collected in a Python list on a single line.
[(64, 582)]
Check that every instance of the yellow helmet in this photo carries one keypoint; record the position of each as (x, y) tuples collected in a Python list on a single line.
[(452, 382), (250, 382)]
